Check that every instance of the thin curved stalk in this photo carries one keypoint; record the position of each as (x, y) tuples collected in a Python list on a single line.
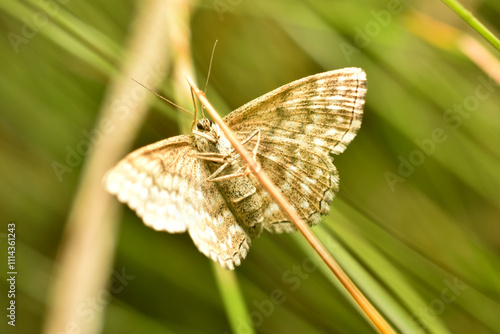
[(233, 299), (376, 319), (475, 24), (87, 253)]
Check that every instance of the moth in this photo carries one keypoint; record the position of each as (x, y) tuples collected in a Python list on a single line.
[(199, 184)]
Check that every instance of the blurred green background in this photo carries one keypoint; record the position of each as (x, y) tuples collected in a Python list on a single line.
[(416, 222)]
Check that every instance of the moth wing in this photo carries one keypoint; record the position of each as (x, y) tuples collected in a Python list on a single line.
[(166, 186), (301, 124)]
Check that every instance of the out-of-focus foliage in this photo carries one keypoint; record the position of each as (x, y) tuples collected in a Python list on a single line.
[(416, 223)]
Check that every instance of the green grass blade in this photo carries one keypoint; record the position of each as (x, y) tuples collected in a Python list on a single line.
[(234, 301), (472, 21)]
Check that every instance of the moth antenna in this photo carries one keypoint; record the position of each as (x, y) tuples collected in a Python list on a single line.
[(163, 98), (210, 65), (208, 77)]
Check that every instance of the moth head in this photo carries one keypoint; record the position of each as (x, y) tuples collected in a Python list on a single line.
[(207, 135), (204, 124)]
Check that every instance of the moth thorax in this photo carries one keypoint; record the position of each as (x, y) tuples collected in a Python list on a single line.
[(206, 136)]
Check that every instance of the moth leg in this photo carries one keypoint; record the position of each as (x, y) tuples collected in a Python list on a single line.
[(238, 173), (213, 177), (213, 157), (256, 132), (226, 160), (254, 151), (256, 148)]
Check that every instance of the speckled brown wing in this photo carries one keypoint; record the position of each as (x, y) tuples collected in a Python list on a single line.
[(301, 124), (166, 186)]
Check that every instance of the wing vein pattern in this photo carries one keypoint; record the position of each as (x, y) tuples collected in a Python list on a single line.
[(302, 124), (166, 186)]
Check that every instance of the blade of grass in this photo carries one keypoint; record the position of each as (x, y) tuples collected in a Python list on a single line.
[(473, 22), (87, 253), (376, 319), (60, 36), (93, 38), (233, 299), (481, 56), (383, 282)]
